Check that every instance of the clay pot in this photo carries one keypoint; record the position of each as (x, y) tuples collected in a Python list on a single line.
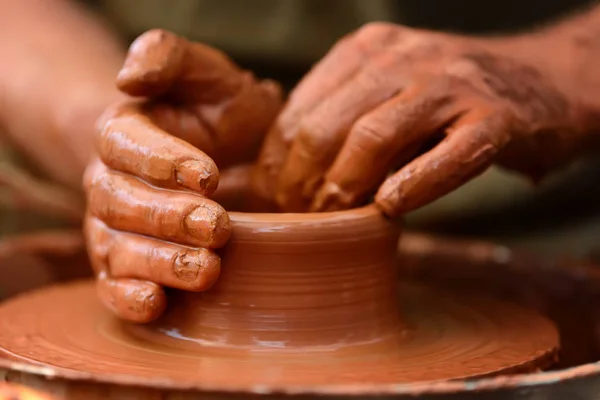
[(293, 281)]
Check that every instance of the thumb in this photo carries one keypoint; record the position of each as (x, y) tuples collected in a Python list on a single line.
[(160, 63)]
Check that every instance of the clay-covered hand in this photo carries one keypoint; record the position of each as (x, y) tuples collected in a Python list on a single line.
[(150, 223), (436, 108)]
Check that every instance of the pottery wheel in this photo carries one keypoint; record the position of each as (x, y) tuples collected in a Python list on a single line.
[(447, 336)]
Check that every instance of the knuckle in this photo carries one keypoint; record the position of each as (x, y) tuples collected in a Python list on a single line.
[(378, 32), (149, 42), (417, 47), (100, 196), (501, 124), (92, 173), (313, 134), (383, 62), (98, 242), (463, 69), (369, 133)]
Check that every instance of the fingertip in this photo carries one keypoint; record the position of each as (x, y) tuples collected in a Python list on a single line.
[(209, 223), (153, 62), (389, 199), (208, 272), (132, 300), (222, 230), (199, 175)]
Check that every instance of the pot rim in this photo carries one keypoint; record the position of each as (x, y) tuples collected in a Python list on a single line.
[(369, 210)]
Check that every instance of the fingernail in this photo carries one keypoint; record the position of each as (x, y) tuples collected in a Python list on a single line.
[(145, 301), (199, 268), (209, 224), (198, 175), (186, 267), (153, 61)]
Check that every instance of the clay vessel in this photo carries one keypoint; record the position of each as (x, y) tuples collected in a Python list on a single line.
[(293, 282)]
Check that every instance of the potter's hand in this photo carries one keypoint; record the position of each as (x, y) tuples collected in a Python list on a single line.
[(382, 95), (149, 222)]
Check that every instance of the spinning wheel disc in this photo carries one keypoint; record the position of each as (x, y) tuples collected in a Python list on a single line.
[(448, 337)]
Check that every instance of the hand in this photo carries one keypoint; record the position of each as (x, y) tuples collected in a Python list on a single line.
[(149, 221), (382, 99)]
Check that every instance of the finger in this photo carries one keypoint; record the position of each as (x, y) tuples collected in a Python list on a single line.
[(131, 299), (322, 134), (347, 57), (132, 143), (128, 255), (93, 168), (127, 204), (153, 62), (375, 142), (340, 64), (161, 63), (468, 149), (134, 300)]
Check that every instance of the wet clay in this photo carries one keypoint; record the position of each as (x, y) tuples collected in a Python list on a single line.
[(303, 300)]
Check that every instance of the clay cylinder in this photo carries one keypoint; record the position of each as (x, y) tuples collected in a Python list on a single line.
[(293, 281)]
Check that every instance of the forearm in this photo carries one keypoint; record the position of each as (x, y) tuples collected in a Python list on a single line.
[(57, 77)]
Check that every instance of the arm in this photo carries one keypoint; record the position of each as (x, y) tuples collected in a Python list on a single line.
[(57, 78)]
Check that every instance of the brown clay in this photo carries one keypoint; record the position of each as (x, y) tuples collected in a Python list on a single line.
[(303, 300)]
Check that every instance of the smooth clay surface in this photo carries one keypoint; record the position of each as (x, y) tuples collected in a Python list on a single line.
[(303, 301)]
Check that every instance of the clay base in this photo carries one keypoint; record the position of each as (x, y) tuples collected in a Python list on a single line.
[(447, 338)]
